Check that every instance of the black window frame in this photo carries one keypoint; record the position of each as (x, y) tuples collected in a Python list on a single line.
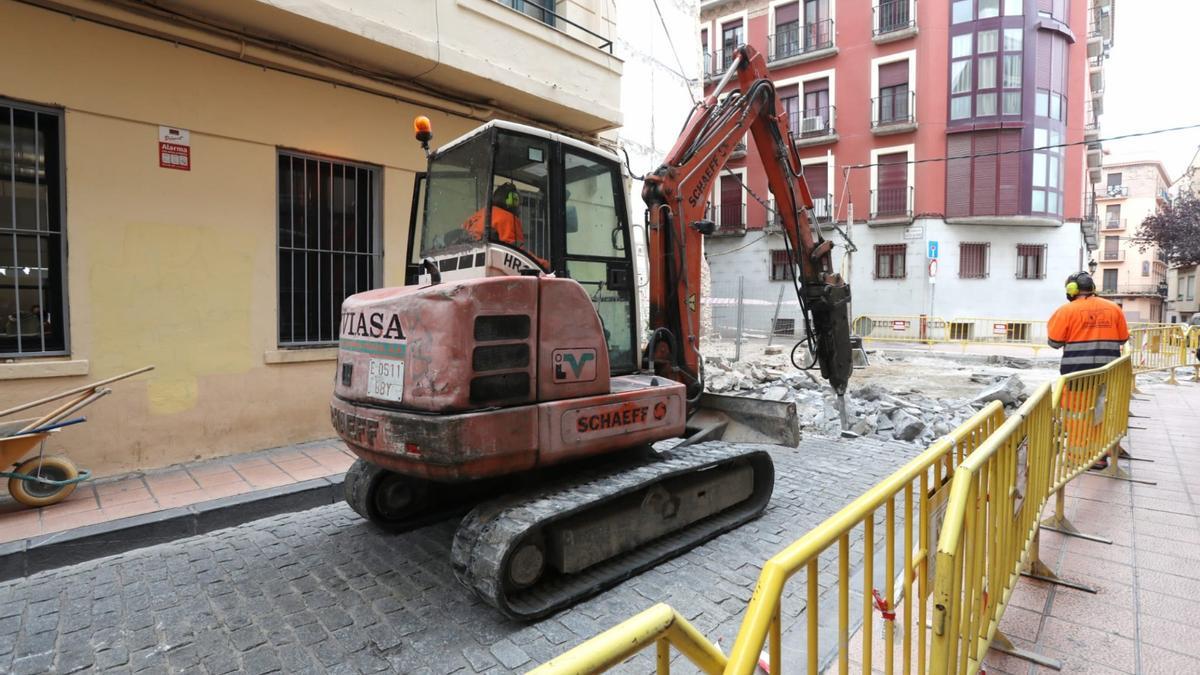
[(781, 268), (894, 253), (375, 255), (1025, 251), (56, 214)]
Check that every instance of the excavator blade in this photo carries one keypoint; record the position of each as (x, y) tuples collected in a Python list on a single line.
[(738, 419)]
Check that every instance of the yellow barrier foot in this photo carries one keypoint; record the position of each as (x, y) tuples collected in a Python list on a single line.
[(1064, 526), (1038, 570), (1115, 472), (1124, 454), (1002, 644), (1171, 379)]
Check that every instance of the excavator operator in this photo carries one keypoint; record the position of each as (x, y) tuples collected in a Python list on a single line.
[(506, 225)]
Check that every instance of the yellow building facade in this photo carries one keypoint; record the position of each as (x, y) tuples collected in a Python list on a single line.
[(114, 255)]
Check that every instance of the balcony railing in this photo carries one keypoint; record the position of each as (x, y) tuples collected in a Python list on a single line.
[(792, 39), (822, 212), (729, 217), (891, 203), (1137, 289), (728, 52), (892, 16), (894, 109), (1113, 256), (706, 61), (543, 11), (813, 122), (1114, 223), (1116, 191)]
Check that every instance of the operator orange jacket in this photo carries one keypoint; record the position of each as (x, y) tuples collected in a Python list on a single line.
[(1090, 330), (505, 224)]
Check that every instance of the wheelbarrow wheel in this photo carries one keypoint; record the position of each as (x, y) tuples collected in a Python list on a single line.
[(33, 493)]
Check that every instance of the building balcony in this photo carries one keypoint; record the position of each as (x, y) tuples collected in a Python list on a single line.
[(821, 214), (1113, 256), (1095, 157), (520, 63), (1113, 224), (1096, 72), (1091, 123), (1113, 191), (1158, 290), (793, 43), (708, 63), (739, 151), (813, 126), (1100, 26), (894, 20), (894, 113), (891, 205), (729, 218)]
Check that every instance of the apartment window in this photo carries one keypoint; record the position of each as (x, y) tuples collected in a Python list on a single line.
[(732, 37), (816, 108), (989, 8), (984, 178), (1013, 7), (985, 72), (891, 196), (1112, 216), (542, 10), (1191, 287), (894, 100), (781, 269), (1112, 248), (732, 207), (791, 107), (818, 28), (889, 261), (32, 288), (787, 31), (328, 244), (1145, 268), (1114, 180), (1047, 172), (973, 261), (1110, 281), (962, 11), (1031, 261), (892, 15)]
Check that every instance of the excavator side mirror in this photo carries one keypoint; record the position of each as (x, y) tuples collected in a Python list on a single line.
[(705, 227)]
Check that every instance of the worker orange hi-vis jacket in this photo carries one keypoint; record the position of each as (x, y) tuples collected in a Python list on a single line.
[(505, 224), (1090, 330)]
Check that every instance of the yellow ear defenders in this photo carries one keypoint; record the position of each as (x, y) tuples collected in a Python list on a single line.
[(512, 200), (1072, 289)]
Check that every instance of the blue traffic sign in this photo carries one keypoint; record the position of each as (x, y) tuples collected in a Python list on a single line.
[(933, 252)]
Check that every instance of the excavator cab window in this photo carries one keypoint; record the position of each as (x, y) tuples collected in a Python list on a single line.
[(456, 187)]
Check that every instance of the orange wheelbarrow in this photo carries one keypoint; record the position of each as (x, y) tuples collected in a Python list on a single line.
[(42, 480)]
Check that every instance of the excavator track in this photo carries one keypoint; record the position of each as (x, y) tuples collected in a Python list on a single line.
[(512, 551)]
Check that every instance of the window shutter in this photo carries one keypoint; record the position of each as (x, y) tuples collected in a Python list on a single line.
[(814, 86), (958, 176), (1009, 173), (984, 174), (787, 14), (893, 74), (788, 91), (817, 177)]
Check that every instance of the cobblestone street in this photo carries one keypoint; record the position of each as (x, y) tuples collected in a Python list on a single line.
[(321, 591)]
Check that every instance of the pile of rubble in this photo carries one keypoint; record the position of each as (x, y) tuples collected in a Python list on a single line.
[(905, 414)]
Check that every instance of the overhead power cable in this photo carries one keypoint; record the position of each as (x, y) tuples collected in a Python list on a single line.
[(997, 153)]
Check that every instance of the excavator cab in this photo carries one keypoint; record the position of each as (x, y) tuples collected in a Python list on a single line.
[(508, 199)]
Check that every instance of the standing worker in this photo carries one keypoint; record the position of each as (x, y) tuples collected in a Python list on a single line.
[(1090, 331)]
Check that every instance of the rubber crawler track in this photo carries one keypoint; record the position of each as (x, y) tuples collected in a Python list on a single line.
[(487, 535)]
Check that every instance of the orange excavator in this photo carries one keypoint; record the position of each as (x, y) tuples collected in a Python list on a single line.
[(506, 380)]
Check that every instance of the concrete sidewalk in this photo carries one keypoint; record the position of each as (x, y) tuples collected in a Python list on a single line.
[(120, 513), (1144, 618)]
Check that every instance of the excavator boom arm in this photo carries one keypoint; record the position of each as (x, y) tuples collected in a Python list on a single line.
[(677, 196)]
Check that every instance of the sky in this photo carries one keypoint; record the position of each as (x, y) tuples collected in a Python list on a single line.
[(1150, 82)]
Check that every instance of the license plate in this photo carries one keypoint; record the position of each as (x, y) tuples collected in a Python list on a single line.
[(385, 379)]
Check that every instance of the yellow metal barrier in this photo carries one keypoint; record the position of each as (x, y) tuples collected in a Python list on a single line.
[(1161, 348), (660, 625), (991, 526), (919, 487), (901, 328)]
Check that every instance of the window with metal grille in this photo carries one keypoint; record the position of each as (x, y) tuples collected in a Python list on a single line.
[(781, 269), (785, 326), (1031, 261), (32, 247), (889, 261), (960, 330), (328, 243), (973, 261)]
